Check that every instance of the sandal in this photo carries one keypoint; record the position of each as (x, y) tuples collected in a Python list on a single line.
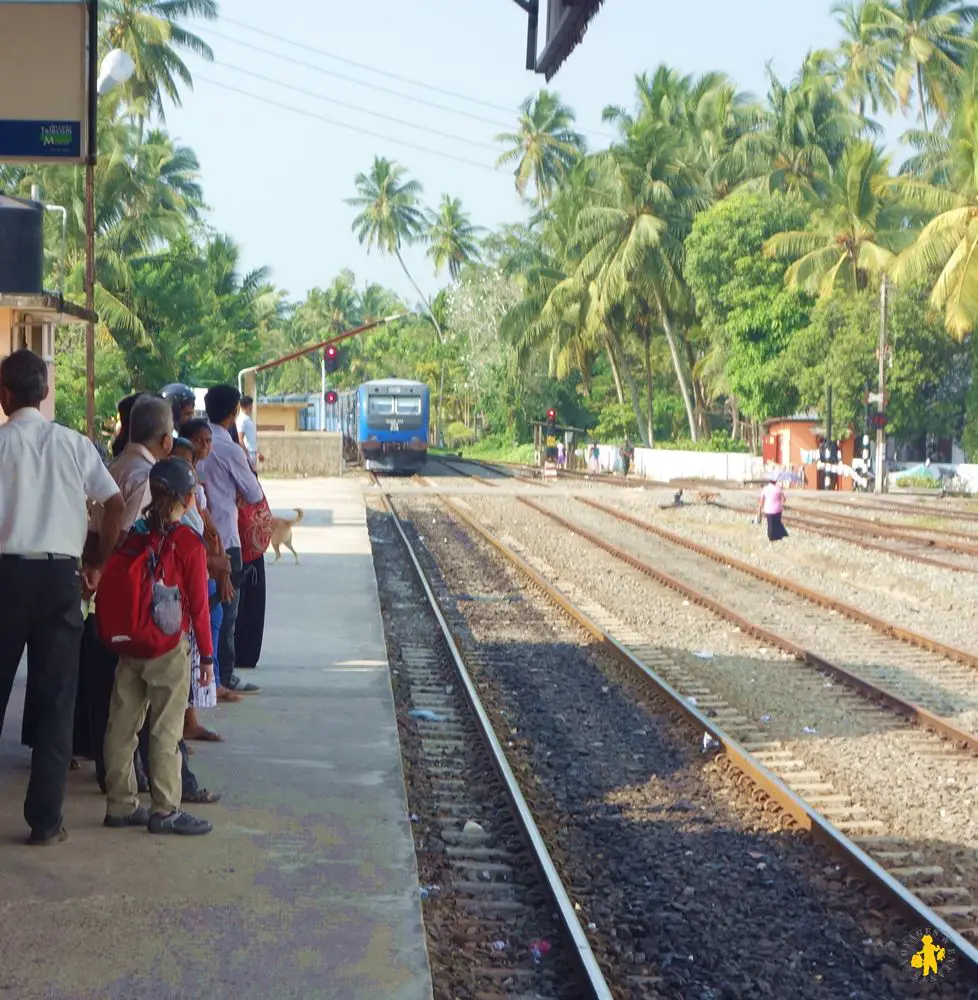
[(202, 797), (203, 735), (223, 694)]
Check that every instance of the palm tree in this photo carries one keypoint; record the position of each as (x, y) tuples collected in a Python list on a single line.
[(632, 234), (927, 44), (545, 146), (862, 62), (151, 33), (452, 237), (390, 217), (855, 229), (804, 134), (714, 116), (948, 245)]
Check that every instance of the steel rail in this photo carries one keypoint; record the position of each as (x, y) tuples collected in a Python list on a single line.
[(804, 522), (916, 713), (895, 531), (454, 464), (806, 817), (917, 639), (906, 509), (589, 963)]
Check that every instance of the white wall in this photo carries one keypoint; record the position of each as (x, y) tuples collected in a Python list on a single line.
[(664, 466)]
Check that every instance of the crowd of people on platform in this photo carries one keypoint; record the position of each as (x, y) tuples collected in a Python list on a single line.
[(132, 589)]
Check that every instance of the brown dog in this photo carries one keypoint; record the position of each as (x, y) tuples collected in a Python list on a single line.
[(282, 534)]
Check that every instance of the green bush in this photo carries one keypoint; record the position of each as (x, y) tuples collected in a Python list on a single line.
[(917, 482), (457, 435), (718, 441)]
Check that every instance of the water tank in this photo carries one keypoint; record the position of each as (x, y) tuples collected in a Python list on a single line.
[(21, 246)]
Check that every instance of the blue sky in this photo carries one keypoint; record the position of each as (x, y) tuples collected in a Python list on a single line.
[(275, 179)]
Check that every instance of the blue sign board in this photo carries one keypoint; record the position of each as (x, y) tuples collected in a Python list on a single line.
[(39, 140)]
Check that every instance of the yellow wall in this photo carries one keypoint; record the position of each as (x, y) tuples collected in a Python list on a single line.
[(278, 417)]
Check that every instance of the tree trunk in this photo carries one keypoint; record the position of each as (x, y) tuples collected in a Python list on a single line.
[(649, 388), (735, 417), (441, 339), (616, 374), (630, 382), (677, 365), (920, 92)]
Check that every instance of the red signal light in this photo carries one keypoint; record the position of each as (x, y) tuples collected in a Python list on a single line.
[(551, 415), (331, 351), (331, 397)]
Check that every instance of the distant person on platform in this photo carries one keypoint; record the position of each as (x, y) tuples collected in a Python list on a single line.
[(627, 456), (49, 472), (771, 506), (247, 431)]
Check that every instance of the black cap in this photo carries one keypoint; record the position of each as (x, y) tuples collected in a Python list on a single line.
[(174, 475), (178, 394)]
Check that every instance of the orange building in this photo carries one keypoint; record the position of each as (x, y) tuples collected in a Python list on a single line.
[(793, 443)]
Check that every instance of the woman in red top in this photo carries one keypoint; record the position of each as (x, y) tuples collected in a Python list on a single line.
[(160, 684)]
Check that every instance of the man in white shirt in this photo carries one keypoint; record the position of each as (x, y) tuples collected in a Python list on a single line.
[(247, 431), (227, 475), (48, 474)]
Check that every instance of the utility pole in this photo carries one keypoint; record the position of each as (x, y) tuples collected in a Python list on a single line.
[(881, 405)]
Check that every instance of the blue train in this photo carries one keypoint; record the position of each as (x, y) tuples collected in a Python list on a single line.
[(385, 424)]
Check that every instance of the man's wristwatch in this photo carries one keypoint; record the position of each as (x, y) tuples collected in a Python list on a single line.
[(207, 661)]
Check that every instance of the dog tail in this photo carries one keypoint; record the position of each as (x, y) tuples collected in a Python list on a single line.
[(299, 515)]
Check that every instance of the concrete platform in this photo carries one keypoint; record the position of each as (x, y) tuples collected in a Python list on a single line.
[(307, 888)]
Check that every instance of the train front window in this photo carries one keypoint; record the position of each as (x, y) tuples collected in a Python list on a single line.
[(381, 405), (408, 406)]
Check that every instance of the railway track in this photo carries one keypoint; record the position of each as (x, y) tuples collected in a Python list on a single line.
[(911, 674), (937, 509), (491, 892), (773, 772), (903, 543), (931, 874)]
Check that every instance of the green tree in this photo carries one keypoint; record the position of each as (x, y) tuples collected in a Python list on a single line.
[(453, 239), (544, 147), (856, 226), (151, 32), (748, 313), (927, 44), (863, 62), (948, 244)]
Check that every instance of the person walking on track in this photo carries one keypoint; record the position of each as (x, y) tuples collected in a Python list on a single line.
[(49, 472), (771, 506)]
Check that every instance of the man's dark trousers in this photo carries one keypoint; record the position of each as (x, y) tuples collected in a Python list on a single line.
[(40, 609), (225, 643)]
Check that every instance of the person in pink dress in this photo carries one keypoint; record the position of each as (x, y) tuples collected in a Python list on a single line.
[(772, 507)]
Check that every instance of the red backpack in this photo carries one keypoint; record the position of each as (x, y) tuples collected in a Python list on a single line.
[(139, 608)]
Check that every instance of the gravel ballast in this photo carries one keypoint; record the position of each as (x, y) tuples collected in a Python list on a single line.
[(670, 858), (871, 754)]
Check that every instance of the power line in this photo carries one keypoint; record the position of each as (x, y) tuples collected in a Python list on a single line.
[(352, 79), (351, 128), (358, 108), (373, 69)]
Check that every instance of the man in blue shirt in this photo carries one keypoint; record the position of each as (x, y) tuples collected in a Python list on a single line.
[(226, 475)]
